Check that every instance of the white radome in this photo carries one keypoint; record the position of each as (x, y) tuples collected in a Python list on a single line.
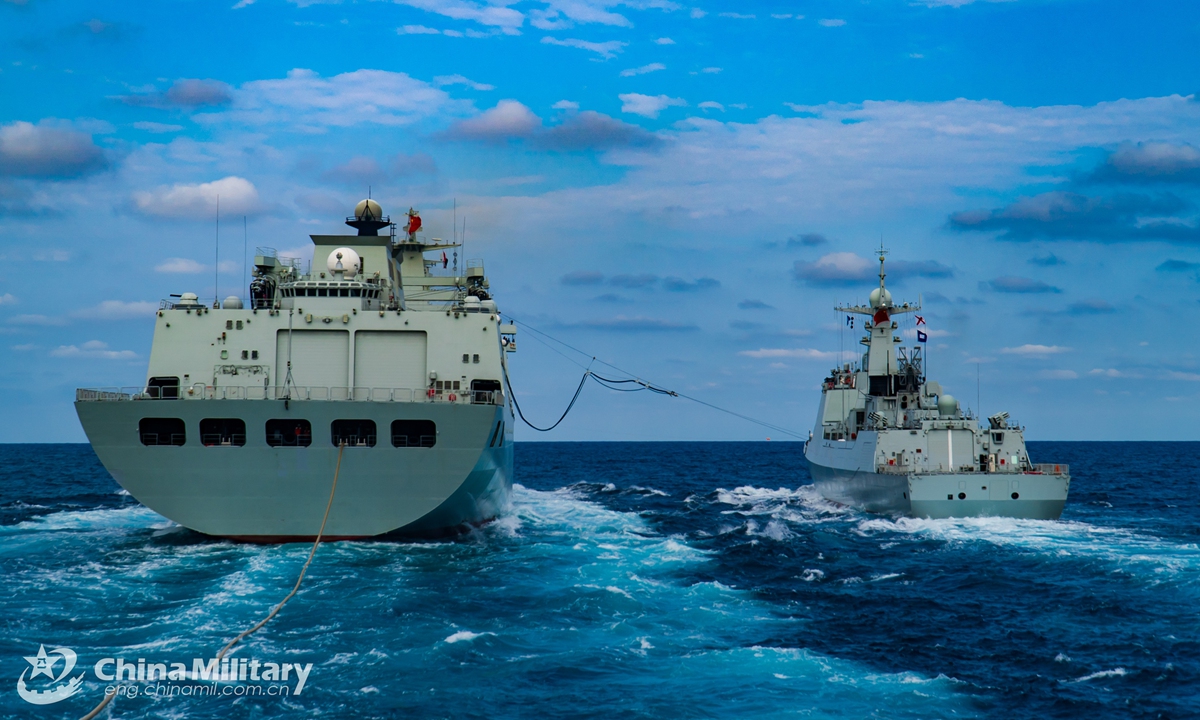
[(367, 210), (881, 297), (350, 262)]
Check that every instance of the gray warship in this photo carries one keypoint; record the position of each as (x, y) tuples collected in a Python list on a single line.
[(888, 440), (380, 354)]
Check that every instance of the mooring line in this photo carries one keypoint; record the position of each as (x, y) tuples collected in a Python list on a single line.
[(221, 655)]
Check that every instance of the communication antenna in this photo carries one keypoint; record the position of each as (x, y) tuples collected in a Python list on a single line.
[(217, 259), (245, 248)]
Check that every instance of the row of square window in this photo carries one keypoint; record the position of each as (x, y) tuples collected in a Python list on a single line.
[(218, 432)]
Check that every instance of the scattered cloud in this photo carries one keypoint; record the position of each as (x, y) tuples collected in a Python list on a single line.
[(498, 16), (711, 105), (1173, 265), (807, 240), (1015, 284), (1091, 307), (92, 349), (582, 277), (44, 320), (643, 280), (588, 130), (674, 284), (8, 299), (794, 353), (1061, 215), (1035, 350), (918, 268), (308, 102), (621, 323), (565, 105), (711, 70), (187, 94), (664, 41), (736, 16), (1048, 260), (831, 22), (444, 80), (1149, 162), (607, 50), (844, 268), (1058, 375), (156, 127), (417, 30), (648, 105), (362, 170), (754, 305), (652, 67), (237, 196), (182, 266), (1112, 373), (117, 310), (47, 151)]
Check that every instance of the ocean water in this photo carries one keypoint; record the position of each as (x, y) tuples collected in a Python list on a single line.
[(637, 580)]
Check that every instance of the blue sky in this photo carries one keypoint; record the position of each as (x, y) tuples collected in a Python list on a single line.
[(684, 190)]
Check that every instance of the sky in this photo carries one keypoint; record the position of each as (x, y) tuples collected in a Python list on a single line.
[(684, 191)]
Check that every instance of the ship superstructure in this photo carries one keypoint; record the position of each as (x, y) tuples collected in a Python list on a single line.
[(888, 440), (381, 352)]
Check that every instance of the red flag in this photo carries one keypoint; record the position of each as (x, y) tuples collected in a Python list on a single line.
[(445, 260), (414, 223), (920, 320)]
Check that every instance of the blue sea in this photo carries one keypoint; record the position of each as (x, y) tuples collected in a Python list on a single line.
[(636, 580)]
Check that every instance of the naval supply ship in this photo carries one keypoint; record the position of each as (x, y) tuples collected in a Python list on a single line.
[(379, 355), (889, 441)]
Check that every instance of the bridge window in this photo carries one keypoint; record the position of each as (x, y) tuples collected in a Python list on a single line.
[(289, 433), (223, 431), (414, 433), (162, 431), (354, 433)]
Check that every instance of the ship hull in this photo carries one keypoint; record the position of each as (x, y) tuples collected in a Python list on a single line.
[(260, 493), (937, 495)]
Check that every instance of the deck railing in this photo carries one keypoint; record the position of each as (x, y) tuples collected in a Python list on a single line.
[(1051, 469), (280, 392)]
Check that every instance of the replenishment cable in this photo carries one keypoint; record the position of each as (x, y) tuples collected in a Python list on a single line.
[(246, 633), (610, 383)]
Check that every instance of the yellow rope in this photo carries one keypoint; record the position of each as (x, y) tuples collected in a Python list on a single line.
[(337, 470)]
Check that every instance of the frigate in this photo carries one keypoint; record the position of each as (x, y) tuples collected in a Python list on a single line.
[(379, 354), (888, 440)]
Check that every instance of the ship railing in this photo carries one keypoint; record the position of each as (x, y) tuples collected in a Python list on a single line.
[(1050, 469), (200, 391)]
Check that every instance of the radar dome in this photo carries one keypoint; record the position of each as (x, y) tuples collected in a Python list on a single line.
[(367, 210), (344, 259), (947, 406), (880, 297), (233, 302)]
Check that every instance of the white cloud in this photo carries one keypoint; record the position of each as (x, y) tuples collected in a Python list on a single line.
[(492, 15), (781, 16), (182, 266), (1058, 375), (607, 50), (417, 30), (652, 67), (711, 70), (444, 80), (1188, 376), (157, 128), (711, 105), (831, 22), (565, 105), (509, 119), (1035, 350), (736, 16), (1112, 373), (795, 353), (648, 105), (307, 101), (8, 299), (237, 196), (117, 310), (697, 13), (44, 320), (92, 349), (664, 41)]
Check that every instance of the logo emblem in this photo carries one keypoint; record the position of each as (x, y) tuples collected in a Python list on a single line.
[(58, 687)]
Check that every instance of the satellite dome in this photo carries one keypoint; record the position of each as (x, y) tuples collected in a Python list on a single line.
[(367, 210), (947, 406), (344, 259), (880, 297), (233, 302)]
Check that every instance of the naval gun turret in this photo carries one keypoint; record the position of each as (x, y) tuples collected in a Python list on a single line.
[(887, 439)]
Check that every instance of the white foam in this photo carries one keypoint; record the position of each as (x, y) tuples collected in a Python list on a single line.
[(1115, 672), (464, 636)]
